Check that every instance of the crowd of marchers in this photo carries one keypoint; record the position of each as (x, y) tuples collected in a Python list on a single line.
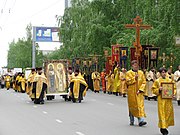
[(163, 86)]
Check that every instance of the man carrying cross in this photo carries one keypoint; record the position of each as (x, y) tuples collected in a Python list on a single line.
[(135, 79)]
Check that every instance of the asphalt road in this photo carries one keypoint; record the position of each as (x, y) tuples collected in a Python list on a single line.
[(98, 114)]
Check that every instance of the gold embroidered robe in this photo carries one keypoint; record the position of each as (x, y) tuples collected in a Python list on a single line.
[(123, 86), (96, 80), (165, 106), (116, 82), (39, 80), (77, 81), (136, 101)]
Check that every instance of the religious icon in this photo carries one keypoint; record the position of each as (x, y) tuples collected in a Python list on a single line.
[(168, 89), (110, 62), (51, 74), (116, 50), (153, 54), (60, 79), (123, 53), (146, 52), (77, 62)]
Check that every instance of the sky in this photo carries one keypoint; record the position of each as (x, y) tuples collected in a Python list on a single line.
[(15, 15)]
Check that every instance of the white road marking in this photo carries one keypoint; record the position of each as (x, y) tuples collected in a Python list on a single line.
[(22, 98), (110, 103), (79, 133), (28, 102), (59, 121), (44, 112), (34, 106)]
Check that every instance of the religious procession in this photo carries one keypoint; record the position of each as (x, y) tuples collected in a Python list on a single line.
[(135, 62), (71, 80)]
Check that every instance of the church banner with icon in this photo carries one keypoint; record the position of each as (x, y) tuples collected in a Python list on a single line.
[(115, 53), (144, 57), (123, 57), (133, 55), (153, 56), (56, 73)]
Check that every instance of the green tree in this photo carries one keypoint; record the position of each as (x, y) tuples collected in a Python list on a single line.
[(20, 52), (87, 27)]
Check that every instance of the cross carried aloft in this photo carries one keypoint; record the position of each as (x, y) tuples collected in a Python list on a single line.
[(138, 26)]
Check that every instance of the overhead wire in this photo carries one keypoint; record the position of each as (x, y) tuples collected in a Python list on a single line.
[(46, 8), (2, 9), (7, 12)]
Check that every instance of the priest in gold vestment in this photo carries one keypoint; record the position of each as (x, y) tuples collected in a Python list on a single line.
[(165, 106), (78, 87), (96, 81), (7, 81), (136, 84), (39, 86), (123, 86), (22, 83), (116, 82), (29, 86), (109, 82)]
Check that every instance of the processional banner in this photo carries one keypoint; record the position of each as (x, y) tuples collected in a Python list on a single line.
[(144, 56), (115, 53), (133, 55), (56, 73), (123, 57), (153, 56)]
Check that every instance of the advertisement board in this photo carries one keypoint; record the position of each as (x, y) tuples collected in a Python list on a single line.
[(46, 34)]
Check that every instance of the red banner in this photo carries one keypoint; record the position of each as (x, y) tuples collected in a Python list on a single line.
[(108, 64), (116, 53)]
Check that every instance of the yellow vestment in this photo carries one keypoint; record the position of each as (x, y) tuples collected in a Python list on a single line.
[(7, 81), (165, 106), (136, 101), (22, 81), (116, 82), (77, 80), (30, 85), (39, 80), (123, 86), (108, 83), (96, 80)]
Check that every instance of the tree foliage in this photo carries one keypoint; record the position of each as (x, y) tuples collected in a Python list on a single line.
[(88, 26), (20, 52)]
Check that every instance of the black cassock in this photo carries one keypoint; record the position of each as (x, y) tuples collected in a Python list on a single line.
[(39, 100), (81, 90)]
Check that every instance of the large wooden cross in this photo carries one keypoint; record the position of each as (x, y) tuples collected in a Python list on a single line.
[(138, 26)]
